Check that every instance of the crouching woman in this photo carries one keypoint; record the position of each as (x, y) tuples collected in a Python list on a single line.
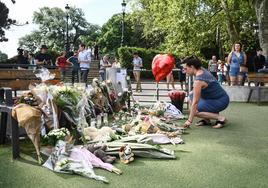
[(208, 98)]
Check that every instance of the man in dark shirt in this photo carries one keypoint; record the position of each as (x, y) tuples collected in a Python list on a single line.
[(259, 60), (22, 58), (96, 51), (43, 58)]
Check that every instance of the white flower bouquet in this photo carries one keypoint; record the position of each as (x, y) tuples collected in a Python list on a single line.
[(56, 134)]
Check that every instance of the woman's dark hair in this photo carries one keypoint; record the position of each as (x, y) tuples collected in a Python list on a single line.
[(83, 45), (192, 61), (135, 53)]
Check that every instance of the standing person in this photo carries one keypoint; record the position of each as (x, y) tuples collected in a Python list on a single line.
[(182, 74), (208, 98), (137, 65), (31, 61), (226, 70), (21, 59), (96, 51), (104, 63), (84, 59), (170, 80), (220, 72), (213, 66), (61, 63), (75, 69), (236, 59), (43, 58), (116, 64), (258, 60)]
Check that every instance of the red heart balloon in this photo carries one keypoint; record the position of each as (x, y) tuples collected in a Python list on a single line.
[(162, 65)]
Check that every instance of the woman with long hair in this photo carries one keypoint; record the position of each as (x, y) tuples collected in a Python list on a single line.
[(237, 59)]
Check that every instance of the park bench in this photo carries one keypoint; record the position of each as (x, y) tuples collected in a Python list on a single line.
[(257, 78), (13, 80)]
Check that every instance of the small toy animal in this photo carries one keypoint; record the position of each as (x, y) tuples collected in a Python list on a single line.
[(125, 154)]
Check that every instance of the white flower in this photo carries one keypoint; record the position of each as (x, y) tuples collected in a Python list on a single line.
[(95, 80), (119, 94)]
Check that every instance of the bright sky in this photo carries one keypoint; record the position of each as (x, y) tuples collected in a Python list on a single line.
[(96, 12)]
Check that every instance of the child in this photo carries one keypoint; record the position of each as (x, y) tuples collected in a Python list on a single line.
[(220, 71)]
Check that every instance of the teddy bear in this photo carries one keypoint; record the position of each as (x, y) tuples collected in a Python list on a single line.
[(125, 154)]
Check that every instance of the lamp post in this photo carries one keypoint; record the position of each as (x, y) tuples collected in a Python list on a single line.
[(19, 24), (123, 4), (67, 27)]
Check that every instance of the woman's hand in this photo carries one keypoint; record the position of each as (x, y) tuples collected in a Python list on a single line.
[(187, 124)]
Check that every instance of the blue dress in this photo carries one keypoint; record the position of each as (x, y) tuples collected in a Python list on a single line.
[(213, 98), (236, 62)]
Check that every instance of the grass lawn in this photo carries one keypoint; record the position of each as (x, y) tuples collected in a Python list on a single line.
[(235, 156)]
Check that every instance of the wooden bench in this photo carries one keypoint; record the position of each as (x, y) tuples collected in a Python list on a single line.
[(257, 78), (13, 80), (21, 79)]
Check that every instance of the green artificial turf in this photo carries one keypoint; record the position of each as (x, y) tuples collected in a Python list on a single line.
[(235, 156)]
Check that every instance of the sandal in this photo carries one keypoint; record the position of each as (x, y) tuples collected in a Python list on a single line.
[(202, 122), (219, 124)]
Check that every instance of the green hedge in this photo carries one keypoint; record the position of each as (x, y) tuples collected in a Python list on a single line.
[(125, 55)]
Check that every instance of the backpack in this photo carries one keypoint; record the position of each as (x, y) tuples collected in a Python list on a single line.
[(178, 64)]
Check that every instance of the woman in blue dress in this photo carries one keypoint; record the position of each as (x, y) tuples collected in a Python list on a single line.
[(208, 98), (236, 59)]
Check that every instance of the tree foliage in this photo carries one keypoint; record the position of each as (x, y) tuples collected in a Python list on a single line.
[(52, 24), (5, 21), (186, 27), (3, 56)]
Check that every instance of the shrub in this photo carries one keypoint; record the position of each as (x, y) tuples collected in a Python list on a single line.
[(126, 55)]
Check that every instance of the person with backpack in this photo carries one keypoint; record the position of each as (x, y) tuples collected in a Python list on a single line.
[(181, 74)]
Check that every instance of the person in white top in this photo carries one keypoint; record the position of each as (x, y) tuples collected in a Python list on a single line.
[(84, 59), (104, 63), (116, 64), (137, 65)]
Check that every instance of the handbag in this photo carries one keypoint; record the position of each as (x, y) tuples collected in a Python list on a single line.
[(243, 69)]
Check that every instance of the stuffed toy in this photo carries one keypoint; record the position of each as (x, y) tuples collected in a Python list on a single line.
[(125, 154), (99, 151)]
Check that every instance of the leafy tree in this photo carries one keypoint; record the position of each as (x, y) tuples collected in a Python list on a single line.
[(52, 28), (110, 36), (5, 22), (186, 27), (261, 8), (3, 56)]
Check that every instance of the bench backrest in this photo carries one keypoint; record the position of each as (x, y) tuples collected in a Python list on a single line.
[(21, 79), (258, 77)]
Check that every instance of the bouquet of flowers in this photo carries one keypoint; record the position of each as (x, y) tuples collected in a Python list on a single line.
[(27, 98), (177, 99), (56, 134)]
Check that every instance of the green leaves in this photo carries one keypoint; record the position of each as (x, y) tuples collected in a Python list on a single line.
[(52, 29)]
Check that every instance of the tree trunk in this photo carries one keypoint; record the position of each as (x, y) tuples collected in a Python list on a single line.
[(232, 28), (261, 8)]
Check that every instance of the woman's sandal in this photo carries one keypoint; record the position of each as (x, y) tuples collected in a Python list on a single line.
[(219, 124), (202, 122)]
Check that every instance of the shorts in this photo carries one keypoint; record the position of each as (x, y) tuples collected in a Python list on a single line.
[(235, 71)]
